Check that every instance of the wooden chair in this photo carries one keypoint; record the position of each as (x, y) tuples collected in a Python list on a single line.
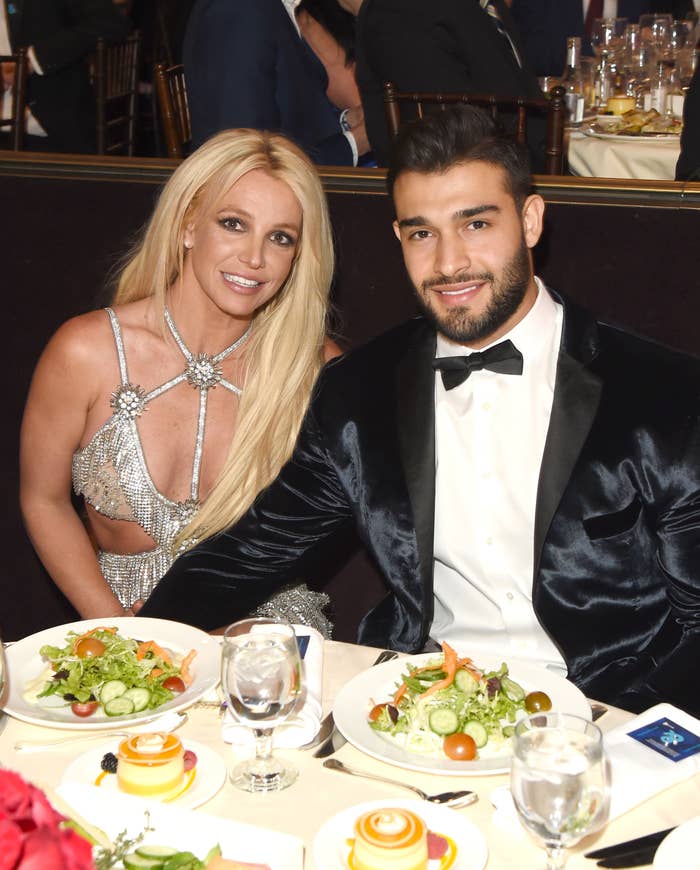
[(116, 80), (174, 108), (554, 109), (16, 123)]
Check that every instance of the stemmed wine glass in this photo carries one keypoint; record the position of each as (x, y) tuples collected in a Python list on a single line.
[(559, 780), (607, 34), (261, 678)]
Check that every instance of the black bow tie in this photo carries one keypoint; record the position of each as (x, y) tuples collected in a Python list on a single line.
[(504, 358)]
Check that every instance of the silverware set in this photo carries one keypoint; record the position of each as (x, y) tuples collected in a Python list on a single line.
[(632, 853)]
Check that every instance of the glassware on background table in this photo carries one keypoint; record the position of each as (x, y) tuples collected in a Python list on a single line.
[(261, 679), (607, 33), (572, 82), (559, 780), (655, 29)]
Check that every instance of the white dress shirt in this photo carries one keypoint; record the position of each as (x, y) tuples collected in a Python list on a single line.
[(490, 433)]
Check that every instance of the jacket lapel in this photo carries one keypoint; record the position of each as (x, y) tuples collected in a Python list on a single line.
[(576, 397), (416, 427)]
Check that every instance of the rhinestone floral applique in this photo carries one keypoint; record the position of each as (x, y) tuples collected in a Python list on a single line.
[(202, 372), (128, 400)]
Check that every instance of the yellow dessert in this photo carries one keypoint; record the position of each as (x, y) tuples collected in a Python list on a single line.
[(390, 839), (151, 765)]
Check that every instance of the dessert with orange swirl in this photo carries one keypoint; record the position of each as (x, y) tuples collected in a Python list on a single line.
[(390, 839), (151, 765)]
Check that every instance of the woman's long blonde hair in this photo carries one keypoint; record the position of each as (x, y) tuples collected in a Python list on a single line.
[(284, 352)]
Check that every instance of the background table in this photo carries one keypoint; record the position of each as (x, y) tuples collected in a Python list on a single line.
[(319, 793), (608, 158)]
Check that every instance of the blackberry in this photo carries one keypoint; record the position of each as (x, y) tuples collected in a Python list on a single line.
[(109, 762)]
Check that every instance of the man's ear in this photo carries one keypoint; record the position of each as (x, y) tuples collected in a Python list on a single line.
[(533, 215), (397, 231)]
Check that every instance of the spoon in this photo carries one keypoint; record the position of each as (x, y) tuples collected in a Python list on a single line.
[(454, 799), (39, 745)]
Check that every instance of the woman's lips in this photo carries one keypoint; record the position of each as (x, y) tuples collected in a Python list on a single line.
[(242, 284)]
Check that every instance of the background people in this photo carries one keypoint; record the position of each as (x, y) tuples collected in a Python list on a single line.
[(560, 446), (173, 409)]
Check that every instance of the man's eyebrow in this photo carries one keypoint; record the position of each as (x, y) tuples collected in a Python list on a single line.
[(421, 221)]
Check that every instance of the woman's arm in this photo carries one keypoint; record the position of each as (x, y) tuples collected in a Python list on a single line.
[(55, 415)]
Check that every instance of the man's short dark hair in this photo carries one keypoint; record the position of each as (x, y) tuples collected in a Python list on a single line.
[(459, 134)]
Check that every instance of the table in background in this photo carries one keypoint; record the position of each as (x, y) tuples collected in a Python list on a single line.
[(319, 793), (608, 158)]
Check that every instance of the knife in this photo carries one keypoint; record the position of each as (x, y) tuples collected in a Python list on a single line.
[(630, 859), (336, 739), (628, 848)]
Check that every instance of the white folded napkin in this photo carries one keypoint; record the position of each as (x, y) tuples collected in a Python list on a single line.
[(304, 724), (637, 771)]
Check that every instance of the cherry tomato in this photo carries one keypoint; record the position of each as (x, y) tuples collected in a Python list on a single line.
[(538, 702), (459, 747), (175, 684), (376, 712), (84, 708), (89, 648)]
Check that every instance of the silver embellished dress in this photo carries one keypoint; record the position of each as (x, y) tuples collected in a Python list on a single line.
[(111, 474)]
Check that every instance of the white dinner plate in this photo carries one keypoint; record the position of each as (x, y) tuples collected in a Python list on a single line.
[(171, 825), (332, 847), (590, 130), (680, 848), (198, 785), (24, 664), (378, 684)]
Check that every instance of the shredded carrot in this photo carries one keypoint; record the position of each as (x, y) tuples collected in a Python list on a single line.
[(465, 665), (185, 674), (450, 668), (155, 672), (108, 628), (147, 646)]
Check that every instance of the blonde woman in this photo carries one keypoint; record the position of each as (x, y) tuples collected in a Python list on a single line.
[(171, 410)]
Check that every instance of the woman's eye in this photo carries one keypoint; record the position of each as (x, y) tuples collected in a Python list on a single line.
[(283, 239), (231, 223)]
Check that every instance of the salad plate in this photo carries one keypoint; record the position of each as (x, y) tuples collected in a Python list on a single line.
[(333, 841), (379, 683), (209, 774), (181, 828), (25, 665)]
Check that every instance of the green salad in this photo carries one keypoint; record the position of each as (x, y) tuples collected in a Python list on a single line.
[(102, 669), (449, 707)]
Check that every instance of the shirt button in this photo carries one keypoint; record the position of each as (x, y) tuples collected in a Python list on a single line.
[(509, 596)]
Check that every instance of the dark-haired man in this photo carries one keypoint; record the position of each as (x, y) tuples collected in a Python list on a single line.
[(527, 479)]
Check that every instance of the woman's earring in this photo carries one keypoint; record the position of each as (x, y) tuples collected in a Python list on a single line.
[(188, 244)]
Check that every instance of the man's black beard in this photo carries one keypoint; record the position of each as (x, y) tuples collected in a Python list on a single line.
[(458, 324)]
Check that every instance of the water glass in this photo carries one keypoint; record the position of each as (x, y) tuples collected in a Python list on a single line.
[(607, 33), (559, 780), (261, 679)]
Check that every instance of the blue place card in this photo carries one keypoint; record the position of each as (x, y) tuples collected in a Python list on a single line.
[(668, 739), (303, 643)]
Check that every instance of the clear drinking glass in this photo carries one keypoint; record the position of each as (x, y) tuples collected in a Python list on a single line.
[(656, 30), (559, 780), (607, 33), (261, 678)]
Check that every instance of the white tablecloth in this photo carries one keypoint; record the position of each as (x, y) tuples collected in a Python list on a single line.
[(608, 158), (320, 793)]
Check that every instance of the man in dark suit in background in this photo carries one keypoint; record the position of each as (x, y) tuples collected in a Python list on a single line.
[(246, 65), (528, 480), (60, 35), (544, 26), (450, 46), (688, 166)]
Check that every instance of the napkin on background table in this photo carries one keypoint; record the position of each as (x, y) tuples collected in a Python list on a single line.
[(304, 724)]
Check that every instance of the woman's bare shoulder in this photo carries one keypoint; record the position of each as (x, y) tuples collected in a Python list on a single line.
[(331, 350)]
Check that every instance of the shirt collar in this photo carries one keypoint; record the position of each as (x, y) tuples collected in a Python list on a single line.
[(290, 6), (527, 335)]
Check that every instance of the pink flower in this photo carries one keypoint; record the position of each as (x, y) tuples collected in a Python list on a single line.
[(31, 836)]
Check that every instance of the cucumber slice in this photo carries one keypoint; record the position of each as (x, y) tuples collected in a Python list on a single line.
[(134, 861), (477, 732), (160, 852), (513, 690), (443, 721), (120, 706), (112, 689), (465, 682), (139, 698)]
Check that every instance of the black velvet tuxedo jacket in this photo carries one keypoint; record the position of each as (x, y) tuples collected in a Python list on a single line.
[(63, 33), (617, 527), (448, 46)]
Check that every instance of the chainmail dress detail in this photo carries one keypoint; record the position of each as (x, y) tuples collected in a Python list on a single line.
[(111, 474)]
